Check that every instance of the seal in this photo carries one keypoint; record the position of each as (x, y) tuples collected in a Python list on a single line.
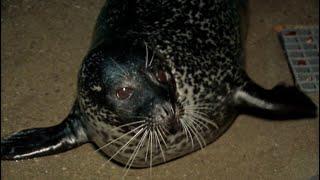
[(161, 79)]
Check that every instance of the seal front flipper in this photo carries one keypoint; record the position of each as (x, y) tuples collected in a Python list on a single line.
[(280, 102), (37, 142)]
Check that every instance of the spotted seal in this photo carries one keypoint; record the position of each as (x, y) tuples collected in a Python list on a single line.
[(162, 79)]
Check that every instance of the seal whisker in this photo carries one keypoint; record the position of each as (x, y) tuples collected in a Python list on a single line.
[(147, 55), (160, 134), (122, 148), (127, 124), (125, 146), (185, 132), (184, 103), (162, 129), (119, 138), (198, 125), (146, 156), (195, 132), (158, 140), (198, 105), (200, 117), (193, 115), (154, 139), (184, 125), (199, 122), (198, 136), (139, 117), (198, 112), (152, 57), (151, 154), (198, 108), (134, 154)]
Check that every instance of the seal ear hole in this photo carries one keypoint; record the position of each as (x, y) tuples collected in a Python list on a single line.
[(124, 93)]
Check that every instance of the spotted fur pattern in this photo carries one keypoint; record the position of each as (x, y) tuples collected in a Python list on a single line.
[(199, 40)]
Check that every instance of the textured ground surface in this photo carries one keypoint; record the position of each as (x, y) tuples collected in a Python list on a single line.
[(42, 46)]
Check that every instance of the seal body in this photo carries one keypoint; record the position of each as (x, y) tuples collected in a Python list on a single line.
[(162, 79), (199, 41)]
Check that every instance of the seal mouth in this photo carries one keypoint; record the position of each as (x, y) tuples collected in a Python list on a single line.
[(174, 125)]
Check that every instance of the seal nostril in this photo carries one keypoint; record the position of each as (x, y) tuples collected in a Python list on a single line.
[(172, 130), (166, 111)]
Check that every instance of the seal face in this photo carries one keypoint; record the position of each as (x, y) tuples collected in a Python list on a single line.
[(161, 80)]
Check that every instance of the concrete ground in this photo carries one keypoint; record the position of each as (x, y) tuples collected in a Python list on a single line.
[(42, 46)]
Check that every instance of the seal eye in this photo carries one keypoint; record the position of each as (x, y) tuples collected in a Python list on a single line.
[(124, 93), (162, 76)]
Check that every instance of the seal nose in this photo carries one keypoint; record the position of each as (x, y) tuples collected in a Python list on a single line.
[(163, 113), (168, 109)]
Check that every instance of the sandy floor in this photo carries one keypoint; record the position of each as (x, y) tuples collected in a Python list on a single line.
[(43, 44)]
